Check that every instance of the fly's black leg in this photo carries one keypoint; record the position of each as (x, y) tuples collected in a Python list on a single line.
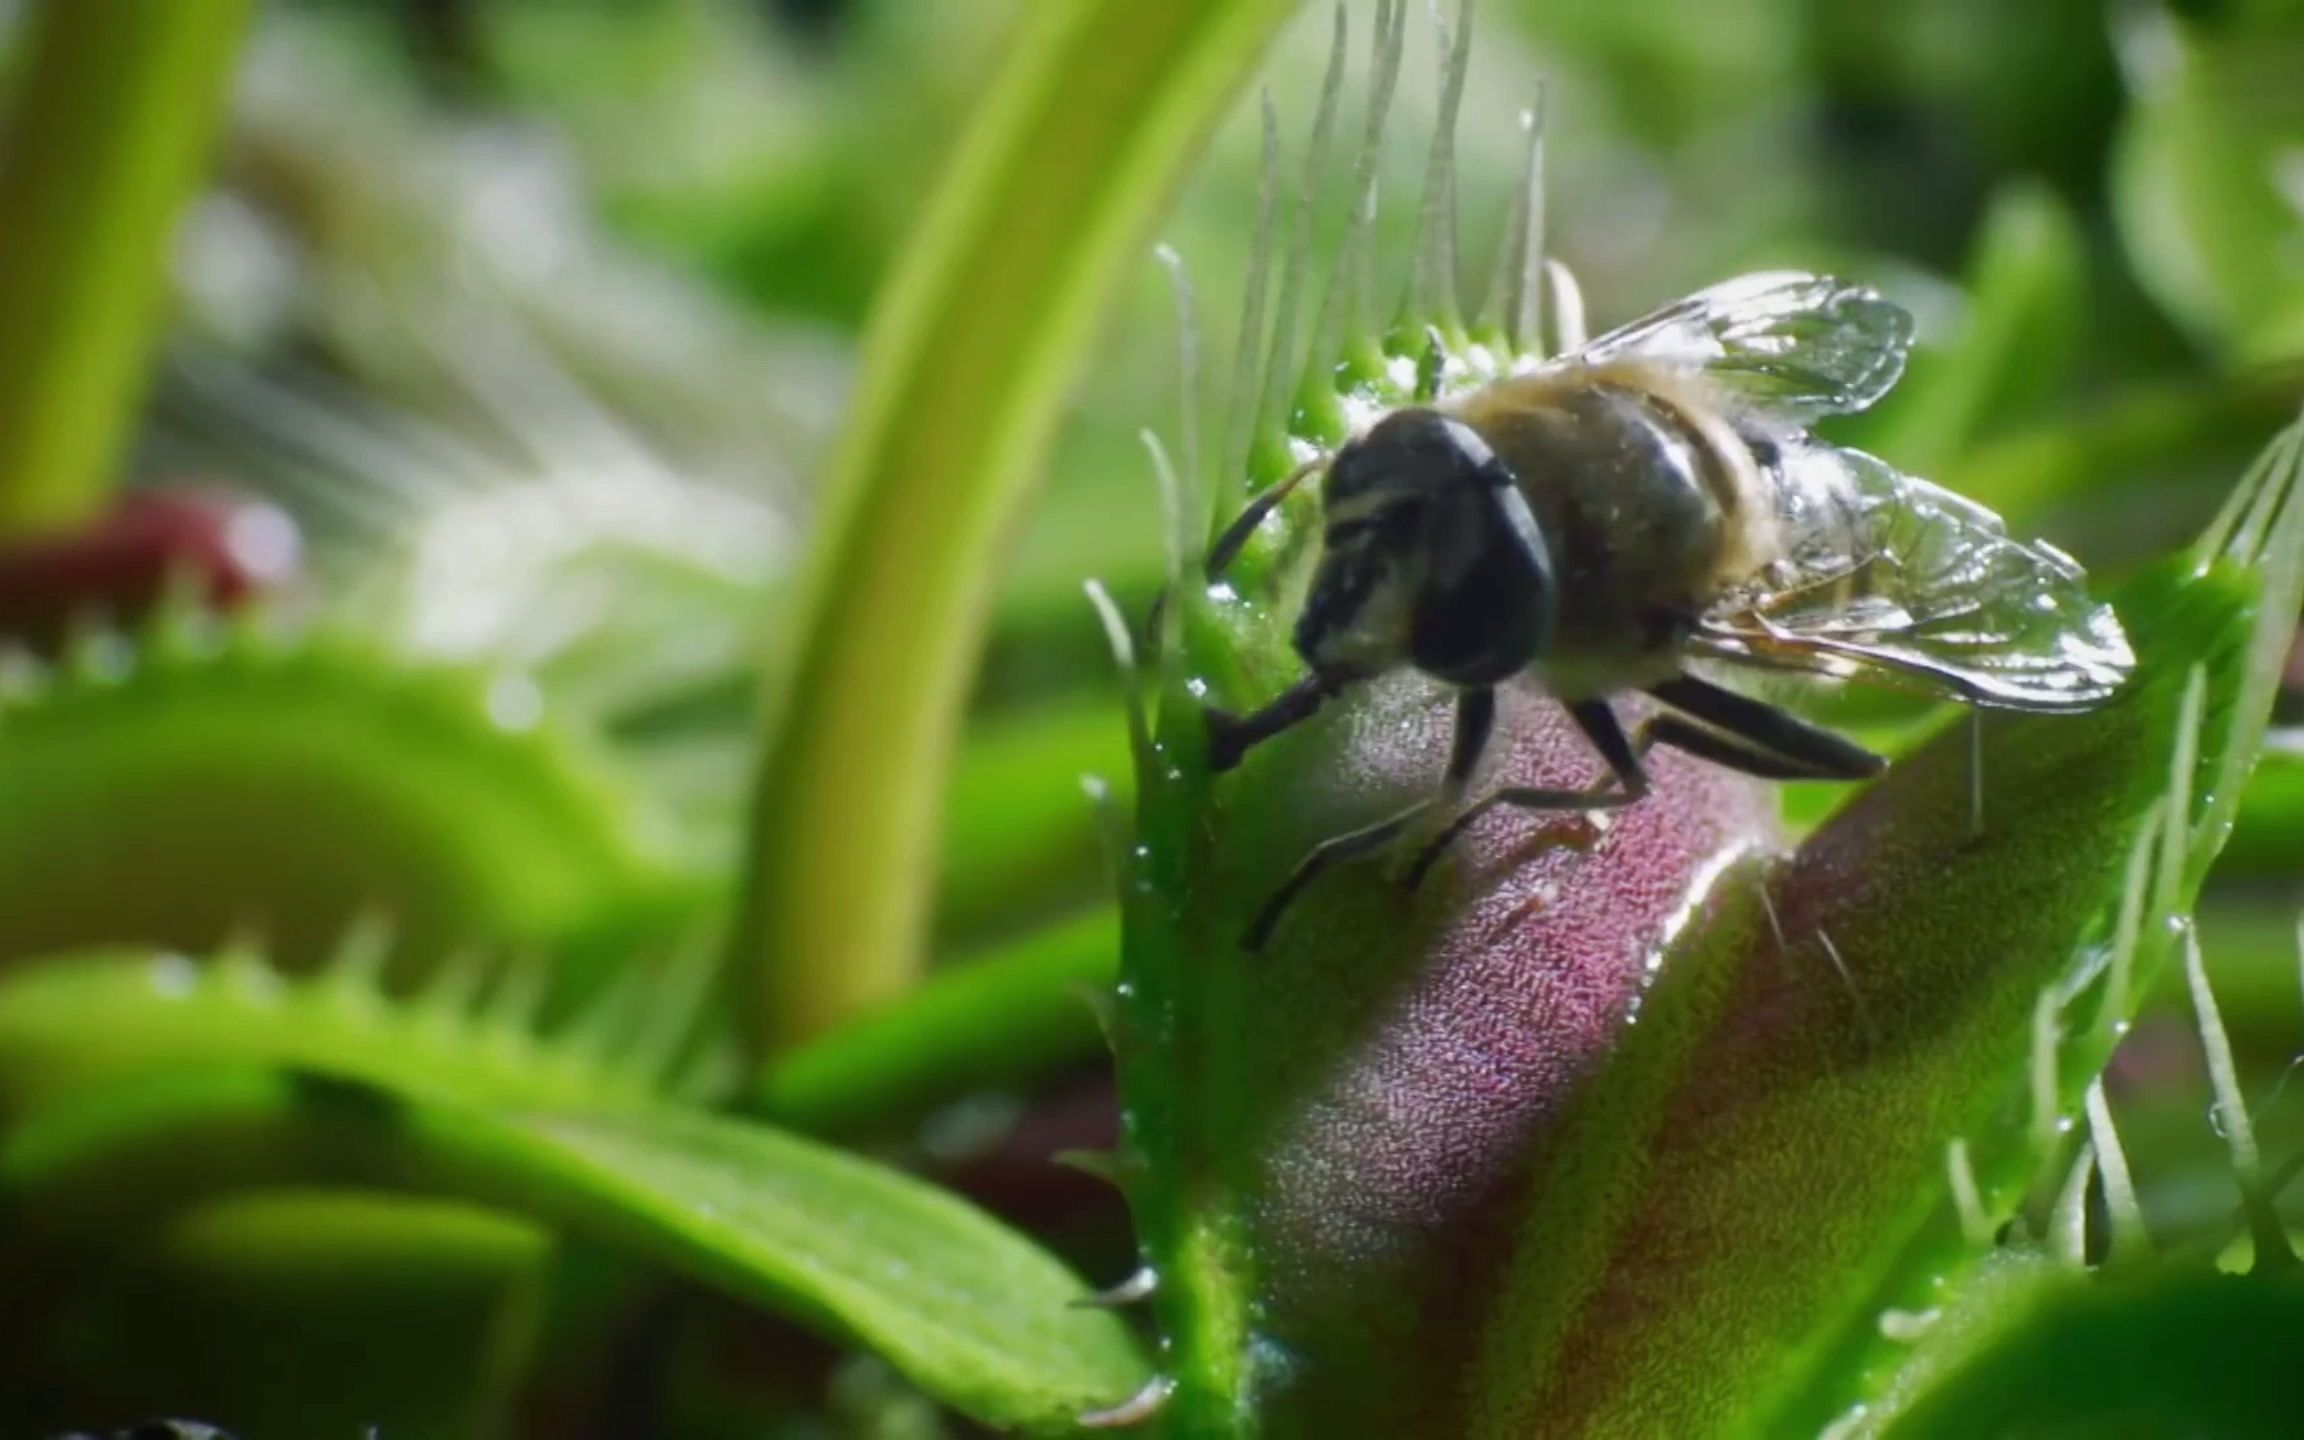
[(1764, 740), (1627, 782), (1475, 722), (1705, 745), (1235, 535), (1231, 736), (1328, 852)]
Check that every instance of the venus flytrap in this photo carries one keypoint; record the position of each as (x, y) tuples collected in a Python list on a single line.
[(970, 1311), (343, 779), (1282, 1307), (1414, 1168), (2076, 1327)]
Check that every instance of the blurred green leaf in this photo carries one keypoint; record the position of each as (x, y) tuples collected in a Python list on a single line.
[(2208, 174), (1007, 1016), (2032, 1347), (105, 144), (2143, 461), (1017, 825), (296, 1312), (967, 369), (2268, 840), (2014, 348), (967, 1309)]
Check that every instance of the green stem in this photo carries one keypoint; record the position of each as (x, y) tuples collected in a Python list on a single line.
[(968, 367), (111, 132)]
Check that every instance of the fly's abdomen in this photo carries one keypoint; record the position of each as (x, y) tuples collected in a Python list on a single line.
[(1635, 499)]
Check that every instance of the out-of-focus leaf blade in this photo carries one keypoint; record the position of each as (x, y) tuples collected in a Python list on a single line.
[(1003, 1017), (2035, 1348), (966, 1308), (2019, 334), (967, 369), (2206, 178), (2268, 837), (320, 1312)]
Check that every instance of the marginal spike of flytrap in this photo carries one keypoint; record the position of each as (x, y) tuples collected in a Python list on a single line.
[(2068, 1219), (1113, 834), (181, 622), (1188, 381), (2231, 1111), (1123, 648), (1976, 1225), (674, 1013), (1510, 305), (1280, 362), (516, 1001), (711, 1073), (451, 994), (1110, 1166), (1135, 1290), (2047, 1119), (601, 1027), (2239, 529), (2128, 923), (1564, 301), (357, 965), (1435, 266), (1103, 1007), (1343, 314), (94, 651), (23, 675), (1180, 508), (1245, 385), (2176, 825), (1136, 1409), (2127, 1238), (242, 963)]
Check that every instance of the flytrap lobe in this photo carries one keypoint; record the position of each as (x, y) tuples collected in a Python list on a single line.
[(1326, 1138)]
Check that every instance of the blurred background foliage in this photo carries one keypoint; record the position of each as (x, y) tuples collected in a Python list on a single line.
[(537, 322)]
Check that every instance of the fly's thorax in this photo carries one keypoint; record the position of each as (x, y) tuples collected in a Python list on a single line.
[(1651, 503)]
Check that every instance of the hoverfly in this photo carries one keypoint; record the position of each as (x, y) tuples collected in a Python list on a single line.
[(1649, 504)]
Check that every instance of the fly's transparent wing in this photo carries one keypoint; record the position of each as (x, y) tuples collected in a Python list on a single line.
[(1890, 578), (1793, 344)]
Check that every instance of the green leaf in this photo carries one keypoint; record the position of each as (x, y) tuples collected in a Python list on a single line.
[(967, 1309), (2036, 1348), (105, 145), (2018, 337), (2205, 175), (967, 368), (1017, 827), (296, 1312), (2268, 837), (1005, 1017)]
